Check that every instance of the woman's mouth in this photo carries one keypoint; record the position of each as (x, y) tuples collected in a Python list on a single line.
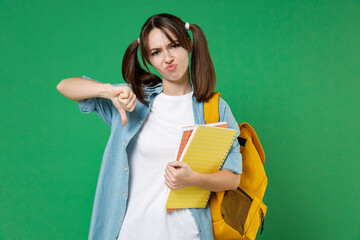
[(171, 67)]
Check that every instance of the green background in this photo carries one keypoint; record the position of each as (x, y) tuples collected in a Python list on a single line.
[(290, 68)]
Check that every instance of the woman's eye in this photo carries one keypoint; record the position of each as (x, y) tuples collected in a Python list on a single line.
[(154, 53), (175, 45)]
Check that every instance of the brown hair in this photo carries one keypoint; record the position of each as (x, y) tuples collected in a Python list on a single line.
[(202, 69)]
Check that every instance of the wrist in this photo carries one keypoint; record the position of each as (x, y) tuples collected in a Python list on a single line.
[(195, 179), (105, 90)]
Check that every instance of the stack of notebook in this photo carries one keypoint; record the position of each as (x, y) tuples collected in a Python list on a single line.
[(204, 148)]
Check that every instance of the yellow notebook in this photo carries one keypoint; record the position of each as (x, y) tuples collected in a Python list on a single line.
[(204, 152)]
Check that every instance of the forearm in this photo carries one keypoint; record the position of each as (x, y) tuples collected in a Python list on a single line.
[(77, 88), (217, 182)]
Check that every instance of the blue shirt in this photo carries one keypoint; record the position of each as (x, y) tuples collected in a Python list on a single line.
[(113, 183)]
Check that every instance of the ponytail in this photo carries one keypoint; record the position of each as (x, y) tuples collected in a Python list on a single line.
[(134, 74), (202, 68)]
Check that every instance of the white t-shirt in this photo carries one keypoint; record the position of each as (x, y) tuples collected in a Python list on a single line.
[(151, 149)]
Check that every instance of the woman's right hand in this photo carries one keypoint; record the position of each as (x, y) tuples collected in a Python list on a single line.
[(123, 99)]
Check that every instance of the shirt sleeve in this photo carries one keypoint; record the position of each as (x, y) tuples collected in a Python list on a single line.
[(102, 106), (233, 160)]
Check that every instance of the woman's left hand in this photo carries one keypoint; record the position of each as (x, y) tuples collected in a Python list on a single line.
[(179, 175)]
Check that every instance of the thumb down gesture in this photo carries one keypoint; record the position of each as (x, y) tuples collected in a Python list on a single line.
[(124, 100)]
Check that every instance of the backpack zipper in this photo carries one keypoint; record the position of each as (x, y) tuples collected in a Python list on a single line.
[(246, 195)]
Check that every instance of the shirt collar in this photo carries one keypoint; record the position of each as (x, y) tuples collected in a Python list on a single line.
[(158, 88)]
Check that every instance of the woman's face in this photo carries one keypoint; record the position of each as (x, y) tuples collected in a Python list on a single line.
[(170, 60)]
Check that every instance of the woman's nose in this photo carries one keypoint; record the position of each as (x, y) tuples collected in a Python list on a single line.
[(168, 56)]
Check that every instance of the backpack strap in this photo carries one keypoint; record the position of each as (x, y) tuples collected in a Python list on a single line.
[(211, 115), (211, 108), (245, 126)]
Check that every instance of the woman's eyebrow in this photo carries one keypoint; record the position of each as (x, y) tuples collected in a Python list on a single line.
[(176, 41)]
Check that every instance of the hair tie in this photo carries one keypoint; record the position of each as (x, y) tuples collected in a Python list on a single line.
[(187, 26), (139, 40)]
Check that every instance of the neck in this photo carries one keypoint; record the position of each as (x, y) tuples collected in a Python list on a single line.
[(179, 87)]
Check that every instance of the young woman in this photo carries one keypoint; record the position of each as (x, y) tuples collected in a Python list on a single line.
[(146, 116)]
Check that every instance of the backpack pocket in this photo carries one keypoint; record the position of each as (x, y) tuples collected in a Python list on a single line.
[(243, 213), (235, 209)]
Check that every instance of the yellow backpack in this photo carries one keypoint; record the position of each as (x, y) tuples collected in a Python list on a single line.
[(238, 214)]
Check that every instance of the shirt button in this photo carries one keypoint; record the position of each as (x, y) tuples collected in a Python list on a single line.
[(159, 88), (124, 194), (126, 169), (141, 122), (120, 219), (124, 143)]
